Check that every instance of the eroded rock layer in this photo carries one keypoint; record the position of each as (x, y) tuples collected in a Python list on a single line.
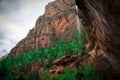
[(58, 23)]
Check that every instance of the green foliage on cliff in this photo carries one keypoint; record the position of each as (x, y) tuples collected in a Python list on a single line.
[(13, 66), (85, 72)]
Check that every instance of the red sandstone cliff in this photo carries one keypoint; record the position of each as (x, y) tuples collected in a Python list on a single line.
[(58, 22)]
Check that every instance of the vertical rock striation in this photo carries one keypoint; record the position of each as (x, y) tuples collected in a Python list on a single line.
[(58, 22)]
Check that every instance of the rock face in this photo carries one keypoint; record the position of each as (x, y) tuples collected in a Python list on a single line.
[(101, 21), (58, 23)]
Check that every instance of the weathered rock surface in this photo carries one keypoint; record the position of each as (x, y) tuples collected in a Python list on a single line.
[(101, 22), (58, 22)]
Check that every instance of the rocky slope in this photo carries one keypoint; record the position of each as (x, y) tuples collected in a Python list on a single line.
[(58, 23), (71, 59)]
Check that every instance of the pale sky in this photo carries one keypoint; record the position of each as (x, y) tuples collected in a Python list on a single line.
[(17, 17)]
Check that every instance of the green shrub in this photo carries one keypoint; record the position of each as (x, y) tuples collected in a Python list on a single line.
[(46, 75), (34, 75), (5, 71), (55, 77), (67, 75), (58, 49)]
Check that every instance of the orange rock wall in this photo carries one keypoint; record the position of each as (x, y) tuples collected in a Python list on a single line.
[(58, 22)]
